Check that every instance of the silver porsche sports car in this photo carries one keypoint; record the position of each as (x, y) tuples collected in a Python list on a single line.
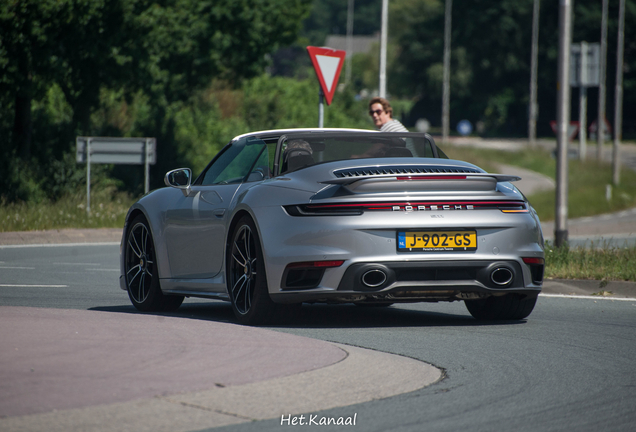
[(285, 217)]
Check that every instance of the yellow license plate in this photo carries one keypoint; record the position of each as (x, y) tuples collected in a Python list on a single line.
[(438, 241)]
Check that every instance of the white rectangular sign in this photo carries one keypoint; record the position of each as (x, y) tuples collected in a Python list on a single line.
[(585, 65), (107, 150)]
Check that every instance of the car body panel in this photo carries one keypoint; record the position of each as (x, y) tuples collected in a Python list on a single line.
[(197, 223)]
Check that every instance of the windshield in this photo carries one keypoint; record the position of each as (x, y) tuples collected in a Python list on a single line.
[(245, 160)]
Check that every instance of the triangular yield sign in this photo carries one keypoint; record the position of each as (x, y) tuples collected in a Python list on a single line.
[(327, 64), (573, 129)]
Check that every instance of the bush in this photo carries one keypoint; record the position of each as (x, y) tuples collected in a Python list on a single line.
[(189, 133)]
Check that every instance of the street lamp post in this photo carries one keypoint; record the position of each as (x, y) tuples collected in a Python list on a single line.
[(533, 108), (383, 42), (446, 85), (618, 94), (563, 120)]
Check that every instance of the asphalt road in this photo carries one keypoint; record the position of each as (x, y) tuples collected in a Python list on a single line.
[(568, 367)]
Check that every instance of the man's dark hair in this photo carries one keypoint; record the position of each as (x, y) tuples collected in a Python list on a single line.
[(386, 106)]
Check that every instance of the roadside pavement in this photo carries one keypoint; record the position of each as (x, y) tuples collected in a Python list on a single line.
[(84, 371), (72, 370)]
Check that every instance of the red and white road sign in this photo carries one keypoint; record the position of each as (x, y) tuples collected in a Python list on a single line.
[(327, 63), (607, 129), (573, 129)]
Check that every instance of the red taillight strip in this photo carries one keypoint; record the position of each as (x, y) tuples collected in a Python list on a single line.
[(384, 206), (533, 260), (432, 177), (314, 264)]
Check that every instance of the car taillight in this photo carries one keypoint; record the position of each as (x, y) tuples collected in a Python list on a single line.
[(432, 177)]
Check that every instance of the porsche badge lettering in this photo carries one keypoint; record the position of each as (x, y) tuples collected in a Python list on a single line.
[(410, 208)]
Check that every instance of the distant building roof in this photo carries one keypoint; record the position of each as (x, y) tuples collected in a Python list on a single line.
[(359, 44)]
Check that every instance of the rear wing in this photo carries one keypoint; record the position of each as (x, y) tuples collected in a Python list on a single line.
[(407, 182), (345, 181)]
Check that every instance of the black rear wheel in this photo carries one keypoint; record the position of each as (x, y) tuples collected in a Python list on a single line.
[(142, 278), (507, 307), (247, 282)]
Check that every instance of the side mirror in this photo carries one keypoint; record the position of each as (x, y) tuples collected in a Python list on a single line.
[(179, 178)]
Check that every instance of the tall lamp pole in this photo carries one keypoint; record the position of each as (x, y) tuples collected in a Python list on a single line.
[(618, 94), (349, 41), (600, 121), (383, 39), (533, 109), (446, 85), (563, 120)]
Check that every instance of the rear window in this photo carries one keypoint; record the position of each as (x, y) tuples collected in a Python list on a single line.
[(300, 150)]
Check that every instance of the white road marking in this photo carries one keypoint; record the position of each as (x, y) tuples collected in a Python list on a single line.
[(32, 286), (58, 245), (17, 268), (587, 297)]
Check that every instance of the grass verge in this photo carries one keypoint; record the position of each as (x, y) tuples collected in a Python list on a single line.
[(596, 263), (108, 210)]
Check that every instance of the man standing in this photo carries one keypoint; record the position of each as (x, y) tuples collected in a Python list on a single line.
[(382, 114)]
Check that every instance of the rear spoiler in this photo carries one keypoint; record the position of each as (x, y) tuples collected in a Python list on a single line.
[(347, 181)]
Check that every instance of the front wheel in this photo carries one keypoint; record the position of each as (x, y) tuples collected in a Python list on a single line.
[(507, 307), (142, 277)]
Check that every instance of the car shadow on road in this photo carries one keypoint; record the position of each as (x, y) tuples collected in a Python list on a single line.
[(328, 316)]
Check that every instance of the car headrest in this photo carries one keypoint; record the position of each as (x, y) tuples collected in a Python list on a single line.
[(299, 161), (398, 152)]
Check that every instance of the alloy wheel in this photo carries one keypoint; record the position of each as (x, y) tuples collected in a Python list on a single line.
[(140, 262), (243, 269)]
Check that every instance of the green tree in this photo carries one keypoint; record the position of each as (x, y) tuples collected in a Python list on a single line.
[(490, 60), (181, 45), (165, 50), (67, 42)]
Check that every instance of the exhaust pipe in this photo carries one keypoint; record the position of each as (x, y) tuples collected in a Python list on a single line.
[(501, 276), (374, 278)]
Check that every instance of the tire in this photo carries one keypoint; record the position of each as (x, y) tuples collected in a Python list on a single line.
[(507, 307), (247, 281), (142, 278)]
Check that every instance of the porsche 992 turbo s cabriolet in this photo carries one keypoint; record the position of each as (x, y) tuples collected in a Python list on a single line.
[(284, 217)]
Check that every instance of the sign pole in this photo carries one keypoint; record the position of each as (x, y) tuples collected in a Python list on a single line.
[(88, 176), (147, 166), (583, 81), (321, 109)]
